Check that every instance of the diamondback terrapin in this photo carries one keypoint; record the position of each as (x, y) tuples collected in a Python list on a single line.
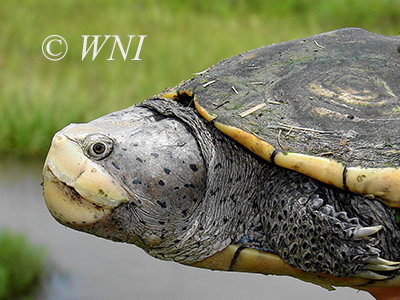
[(281, 160)]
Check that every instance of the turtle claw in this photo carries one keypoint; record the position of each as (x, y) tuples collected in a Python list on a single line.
[(371, 275), (380, 265), (381, 261), (366, 231), (383, 268)]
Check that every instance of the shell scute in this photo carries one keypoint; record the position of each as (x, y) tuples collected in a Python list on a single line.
[(325, 106)]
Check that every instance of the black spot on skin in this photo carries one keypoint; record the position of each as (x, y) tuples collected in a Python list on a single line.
[(136, 181), (161, 183), (139, 159), (232, 197), (176, 188), (124, 149), (218, 165), (193, 167), (155, 155), (143, 222), (169, 154), (135, 145), (161, 222), (181, 144), (167, 171), (188, 185), (184, 212), (115, 165), (162, 203)]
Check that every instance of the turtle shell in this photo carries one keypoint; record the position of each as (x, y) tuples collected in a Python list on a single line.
[(326, 106)]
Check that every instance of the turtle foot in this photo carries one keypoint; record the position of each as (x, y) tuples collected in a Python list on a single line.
[(376, 264)]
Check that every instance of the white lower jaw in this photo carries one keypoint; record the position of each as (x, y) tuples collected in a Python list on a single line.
[(66, 205)]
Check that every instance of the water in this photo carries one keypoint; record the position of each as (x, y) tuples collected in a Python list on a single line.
[(87, 267)]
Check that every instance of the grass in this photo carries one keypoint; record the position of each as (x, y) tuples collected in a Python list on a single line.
[(39, 97), (21, 265)]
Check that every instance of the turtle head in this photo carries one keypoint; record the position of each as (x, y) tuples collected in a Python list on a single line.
[(131, 176)]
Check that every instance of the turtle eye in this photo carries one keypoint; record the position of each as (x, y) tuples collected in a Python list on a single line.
[(98, 146)]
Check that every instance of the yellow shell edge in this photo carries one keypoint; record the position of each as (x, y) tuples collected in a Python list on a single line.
[(380, 183), (255, 261)]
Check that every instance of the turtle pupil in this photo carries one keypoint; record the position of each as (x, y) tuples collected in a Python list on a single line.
[(99, 148)]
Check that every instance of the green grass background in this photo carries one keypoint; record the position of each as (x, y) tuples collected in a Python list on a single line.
[(39, 97), (22, 265)]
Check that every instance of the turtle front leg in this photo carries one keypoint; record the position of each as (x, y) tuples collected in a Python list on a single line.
[(305, 225)]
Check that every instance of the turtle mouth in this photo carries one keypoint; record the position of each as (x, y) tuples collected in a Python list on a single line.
[(77, 191), (66, 205)]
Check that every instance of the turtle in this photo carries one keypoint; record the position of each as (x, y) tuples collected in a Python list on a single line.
[(281, 160)]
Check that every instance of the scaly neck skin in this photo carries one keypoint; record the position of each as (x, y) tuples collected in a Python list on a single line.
[(226, 212)]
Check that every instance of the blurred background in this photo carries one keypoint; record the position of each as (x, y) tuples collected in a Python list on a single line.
[(38, 97)]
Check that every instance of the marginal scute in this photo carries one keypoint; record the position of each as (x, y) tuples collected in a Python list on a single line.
[(255, 261), (204, 113), (250, 141), (382, 183)]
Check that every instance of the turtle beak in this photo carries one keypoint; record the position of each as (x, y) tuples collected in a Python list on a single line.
[(76, 189)]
